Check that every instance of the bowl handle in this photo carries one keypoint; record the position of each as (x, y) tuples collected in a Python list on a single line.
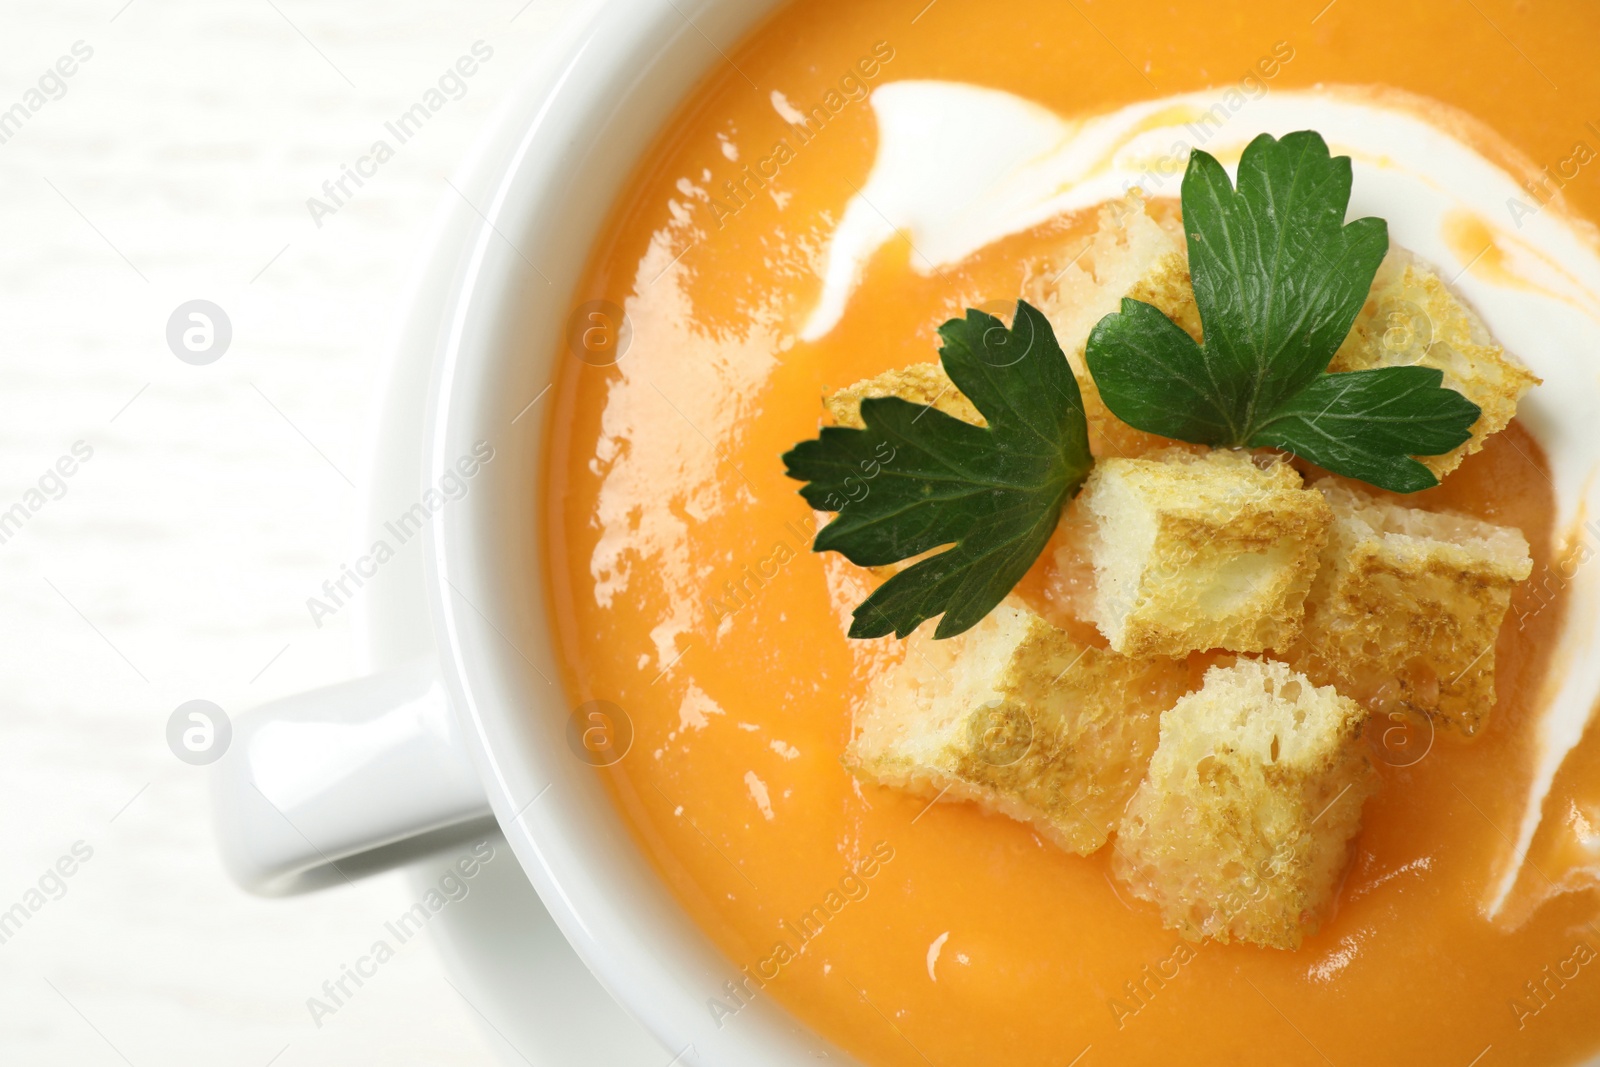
[(326, 786)]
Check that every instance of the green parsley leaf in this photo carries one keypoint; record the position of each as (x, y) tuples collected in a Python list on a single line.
[(1279, 278), (1368, 424), (916, 479)]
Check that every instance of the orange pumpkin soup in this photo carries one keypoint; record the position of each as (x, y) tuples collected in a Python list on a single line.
[(684, 590)]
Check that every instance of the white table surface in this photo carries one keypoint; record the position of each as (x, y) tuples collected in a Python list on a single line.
[(177, 564)]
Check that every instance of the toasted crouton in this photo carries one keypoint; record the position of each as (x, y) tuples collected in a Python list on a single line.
[(1168, 288), (1411, 318), (1132, 252), (1241, 829), (1407, 608), (920, 383), (1019, 718), (1195, 552)]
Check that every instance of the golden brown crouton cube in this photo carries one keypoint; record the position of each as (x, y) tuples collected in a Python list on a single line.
[(1411, 318), (920, 383), (1135, 252), (1019, 718), (1241, 828), (1168, 288), (1407, 609), (1201, 551)]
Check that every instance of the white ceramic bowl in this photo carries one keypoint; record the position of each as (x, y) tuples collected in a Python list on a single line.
[(369, 773)]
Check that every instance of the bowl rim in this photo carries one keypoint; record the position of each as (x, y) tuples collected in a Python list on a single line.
[(569, 153)]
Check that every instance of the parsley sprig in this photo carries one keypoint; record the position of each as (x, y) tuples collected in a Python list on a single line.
[(1279, 278), (994, 493)]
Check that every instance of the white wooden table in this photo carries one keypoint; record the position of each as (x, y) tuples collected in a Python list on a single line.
[(175, 564)]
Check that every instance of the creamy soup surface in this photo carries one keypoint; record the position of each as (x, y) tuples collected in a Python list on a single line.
[(683, 589)]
